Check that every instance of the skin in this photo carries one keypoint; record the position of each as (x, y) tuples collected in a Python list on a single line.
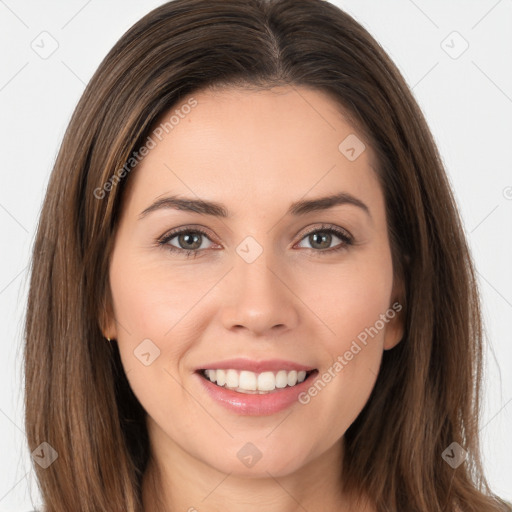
[(255, 152)]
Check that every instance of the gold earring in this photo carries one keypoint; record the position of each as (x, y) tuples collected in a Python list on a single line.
[(108, 339)]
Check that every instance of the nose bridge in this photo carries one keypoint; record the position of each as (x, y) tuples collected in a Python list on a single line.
[(258, 298)]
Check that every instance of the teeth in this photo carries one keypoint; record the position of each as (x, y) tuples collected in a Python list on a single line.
[(221, 377), (231, 379), (281, 379), (250, 382), (266, 381)]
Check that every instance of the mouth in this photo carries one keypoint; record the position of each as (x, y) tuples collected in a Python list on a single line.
[(253, 383)]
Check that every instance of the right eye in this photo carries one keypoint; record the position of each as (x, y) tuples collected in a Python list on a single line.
[(189, 241)]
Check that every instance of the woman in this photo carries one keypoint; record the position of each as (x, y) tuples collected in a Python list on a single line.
[(250, 285)]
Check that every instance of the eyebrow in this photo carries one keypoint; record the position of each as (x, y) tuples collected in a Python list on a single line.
[(215, 209)]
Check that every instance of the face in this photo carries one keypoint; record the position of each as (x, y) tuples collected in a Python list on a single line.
[(266, 286)]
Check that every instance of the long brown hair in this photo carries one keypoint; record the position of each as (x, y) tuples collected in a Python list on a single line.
[(427, 395)]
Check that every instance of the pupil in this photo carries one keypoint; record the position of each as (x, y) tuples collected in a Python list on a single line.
[(188, 239), (323, 237)]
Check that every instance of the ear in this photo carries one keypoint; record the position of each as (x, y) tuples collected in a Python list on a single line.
[(395, 327), (107, 319)]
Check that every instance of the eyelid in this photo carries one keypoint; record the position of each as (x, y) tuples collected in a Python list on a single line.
[(339, 231), (184, 229)]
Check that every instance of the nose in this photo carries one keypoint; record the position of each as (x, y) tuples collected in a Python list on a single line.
[(260, 299)]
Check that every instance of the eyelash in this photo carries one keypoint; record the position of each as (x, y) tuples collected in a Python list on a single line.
[(347, 240)]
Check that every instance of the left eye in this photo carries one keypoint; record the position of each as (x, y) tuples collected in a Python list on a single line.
[(322, 238)]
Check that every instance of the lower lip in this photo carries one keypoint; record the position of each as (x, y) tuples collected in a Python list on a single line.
[(255, 404)]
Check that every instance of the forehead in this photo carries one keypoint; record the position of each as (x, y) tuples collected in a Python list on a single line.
[(255, 149)]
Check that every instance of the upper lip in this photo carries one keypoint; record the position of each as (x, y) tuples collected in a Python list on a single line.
[(268, 365)]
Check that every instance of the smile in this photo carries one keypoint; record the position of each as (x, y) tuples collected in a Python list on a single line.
[(255, 393), (245, 381)]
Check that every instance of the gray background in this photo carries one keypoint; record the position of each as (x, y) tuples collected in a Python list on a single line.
[(466, 97)]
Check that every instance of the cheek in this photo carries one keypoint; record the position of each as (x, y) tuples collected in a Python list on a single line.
[(156, 301), (349, 298), (352, 304), (151, 332), (153, 299), (147, 307)]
